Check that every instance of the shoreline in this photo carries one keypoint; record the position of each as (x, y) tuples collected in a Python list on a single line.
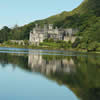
[(49, 48)]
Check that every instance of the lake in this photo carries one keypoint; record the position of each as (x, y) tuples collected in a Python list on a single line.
[(27, 74)]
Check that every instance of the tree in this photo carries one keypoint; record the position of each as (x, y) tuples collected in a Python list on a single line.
[(4, 34)]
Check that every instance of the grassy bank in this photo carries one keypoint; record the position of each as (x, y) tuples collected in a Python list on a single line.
[(49, 45), (42, 47)]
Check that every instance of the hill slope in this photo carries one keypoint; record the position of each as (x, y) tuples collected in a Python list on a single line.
[(86, 18)]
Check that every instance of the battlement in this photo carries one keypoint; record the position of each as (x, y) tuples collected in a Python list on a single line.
[(38, 34)]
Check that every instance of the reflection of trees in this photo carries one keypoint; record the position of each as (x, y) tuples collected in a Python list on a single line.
[(80, 74), (14, 59), (82, 79)]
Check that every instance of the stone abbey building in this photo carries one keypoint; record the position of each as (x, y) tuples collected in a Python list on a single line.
[(39, 34)]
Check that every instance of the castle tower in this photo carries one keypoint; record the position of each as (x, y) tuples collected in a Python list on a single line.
[(30, 37), (56, 30), (50, 26), (45, 27), (36, 26)]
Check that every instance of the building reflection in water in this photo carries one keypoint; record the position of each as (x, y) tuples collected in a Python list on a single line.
[(39, 63), (81, 74)]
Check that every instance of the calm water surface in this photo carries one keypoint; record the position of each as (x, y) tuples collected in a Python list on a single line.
[(27, 74)]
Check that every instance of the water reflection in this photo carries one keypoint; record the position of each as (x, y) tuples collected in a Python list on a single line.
[(47, 65), (81, 74)]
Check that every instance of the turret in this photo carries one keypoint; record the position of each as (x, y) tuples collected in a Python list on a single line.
[(50, 26), (45, 27), (36, 26), (56, 30)]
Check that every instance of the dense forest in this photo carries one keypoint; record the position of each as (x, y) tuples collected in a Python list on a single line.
[(86, 18)]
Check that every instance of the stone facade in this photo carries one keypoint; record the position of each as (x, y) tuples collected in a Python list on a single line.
[(19, 42), (38, 34)]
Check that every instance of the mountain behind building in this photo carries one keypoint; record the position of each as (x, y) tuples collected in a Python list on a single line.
[(86, 17)]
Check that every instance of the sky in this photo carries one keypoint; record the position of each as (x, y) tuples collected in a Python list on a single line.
[(22, 12)]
